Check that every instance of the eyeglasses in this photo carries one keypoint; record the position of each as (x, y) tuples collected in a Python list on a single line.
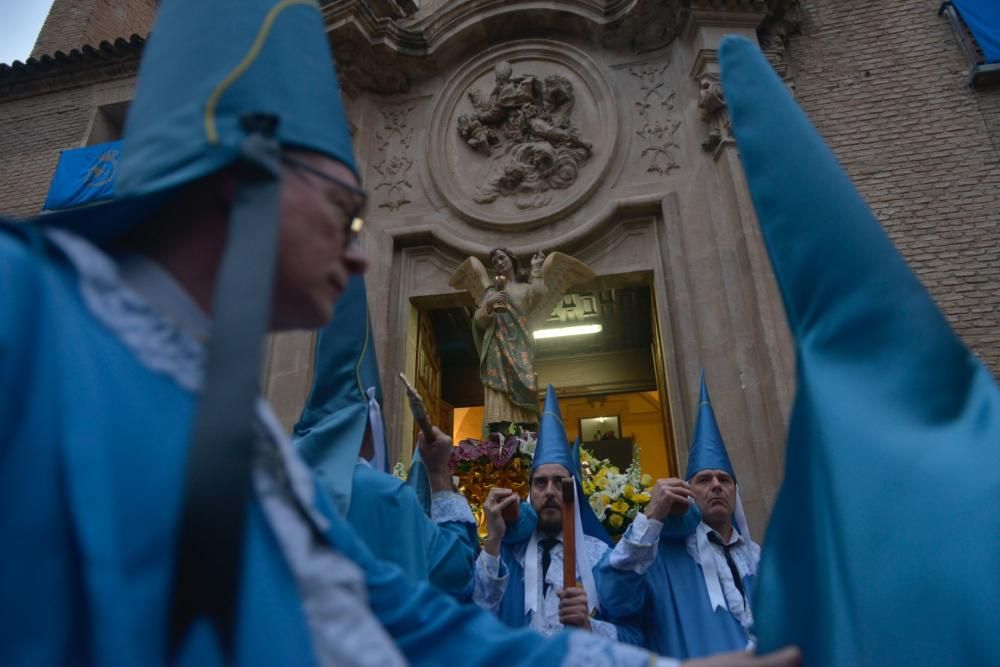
[(352, 215)]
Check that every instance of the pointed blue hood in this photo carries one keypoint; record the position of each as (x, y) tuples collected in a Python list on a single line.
[(205, 66), (882, 545), (553, 447), (708, 451), (345, 380)]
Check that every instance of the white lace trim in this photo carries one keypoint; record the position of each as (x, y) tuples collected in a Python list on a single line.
[(745, 554), (588, 650), (155, 341), (638, 548), (333, 590), (490, 581), (450, 506)]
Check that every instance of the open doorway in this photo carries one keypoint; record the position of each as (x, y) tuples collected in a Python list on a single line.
[(609, 372)]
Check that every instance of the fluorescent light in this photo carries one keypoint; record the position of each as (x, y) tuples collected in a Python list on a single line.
[(582, 330)]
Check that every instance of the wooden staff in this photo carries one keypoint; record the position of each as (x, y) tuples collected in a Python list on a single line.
[(419, 410), (569, 533)]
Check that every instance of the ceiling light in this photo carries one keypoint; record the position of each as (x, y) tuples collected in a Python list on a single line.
[(582, 330)]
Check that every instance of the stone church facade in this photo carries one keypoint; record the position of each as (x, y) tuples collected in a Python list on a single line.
[(597, 128)]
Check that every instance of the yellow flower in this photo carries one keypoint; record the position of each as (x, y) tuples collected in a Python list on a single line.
[(613, 469), (646, 480), (605, 498), (641, 498), (620, 506), (628, 491), (588, 487), (616, 520)]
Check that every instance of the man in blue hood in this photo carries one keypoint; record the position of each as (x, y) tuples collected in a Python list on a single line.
[(514, 561), (687, 564)]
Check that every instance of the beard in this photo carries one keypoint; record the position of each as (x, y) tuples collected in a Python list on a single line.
[(549, 521)]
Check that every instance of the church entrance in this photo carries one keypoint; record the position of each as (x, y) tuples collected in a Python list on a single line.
[(598, 348)]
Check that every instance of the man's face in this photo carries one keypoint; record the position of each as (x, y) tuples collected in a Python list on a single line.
[(314, 258), (715, 493), (546, 496)]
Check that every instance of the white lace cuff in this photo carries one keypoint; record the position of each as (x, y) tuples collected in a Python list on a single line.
[(637, 549), (643, 530), (450, 506), (491, 581)]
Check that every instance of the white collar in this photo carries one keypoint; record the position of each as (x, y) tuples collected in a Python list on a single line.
[(153, 336), (162, 291), (734, 536)]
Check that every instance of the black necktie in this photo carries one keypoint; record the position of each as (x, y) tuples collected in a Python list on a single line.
[(737, 579), (547, 545)]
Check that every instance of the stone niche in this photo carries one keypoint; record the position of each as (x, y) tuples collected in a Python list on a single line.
[(521, 135)]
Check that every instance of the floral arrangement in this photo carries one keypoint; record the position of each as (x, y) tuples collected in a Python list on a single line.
[(503, 459), (615, 497)]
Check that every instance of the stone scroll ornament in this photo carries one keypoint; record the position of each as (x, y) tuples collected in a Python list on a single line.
[(505, 320), (524, 125)]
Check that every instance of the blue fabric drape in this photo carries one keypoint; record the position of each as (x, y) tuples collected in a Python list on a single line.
[(983, 19), (861, 565), (84, 176)]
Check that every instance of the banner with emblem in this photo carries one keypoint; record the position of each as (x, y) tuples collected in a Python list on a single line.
[(84, 176)]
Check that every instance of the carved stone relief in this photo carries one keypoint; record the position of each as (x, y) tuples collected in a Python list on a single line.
[(525, 124), (393, 144), (521, 134), (777, 30), (714, 114), (363, 68), (658, 123)]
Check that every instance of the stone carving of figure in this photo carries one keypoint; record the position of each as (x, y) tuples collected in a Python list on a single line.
[(712, 103), (529, 122), (507, 312)]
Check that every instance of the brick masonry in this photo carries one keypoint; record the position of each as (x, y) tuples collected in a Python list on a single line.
[(72, 23), (883, 81)]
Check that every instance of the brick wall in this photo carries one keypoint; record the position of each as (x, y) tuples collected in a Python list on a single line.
[(34, 130), (884, 81), (73, 23)]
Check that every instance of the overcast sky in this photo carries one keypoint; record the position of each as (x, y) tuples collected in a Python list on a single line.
[(20, 21)]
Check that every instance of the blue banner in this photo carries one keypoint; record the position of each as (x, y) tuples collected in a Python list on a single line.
[(983, 19), (84, 176)]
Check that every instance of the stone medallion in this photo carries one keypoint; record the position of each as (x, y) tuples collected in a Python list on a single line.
[(522, 134)]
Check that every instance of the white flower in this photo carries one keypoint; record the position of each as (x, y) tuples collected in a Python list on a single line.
[(527, 446), (616, 485), (598, 505)]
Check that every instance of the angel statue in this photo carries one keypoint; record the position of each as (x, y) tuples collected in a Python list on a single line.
[(509, 308)]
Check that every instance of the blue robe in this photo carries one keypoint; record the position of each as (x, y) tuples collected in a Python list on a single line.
[(387, 516), (511, 610), (92, 466), (671, 598)]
